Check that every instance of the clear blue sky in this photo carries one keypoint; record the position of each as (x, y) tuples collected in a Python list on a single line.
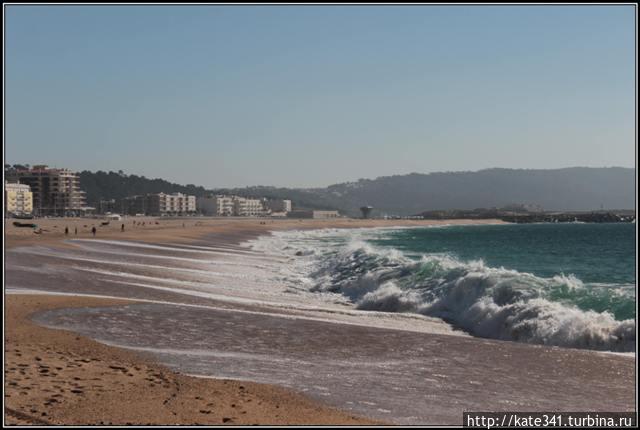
[(310, 96)]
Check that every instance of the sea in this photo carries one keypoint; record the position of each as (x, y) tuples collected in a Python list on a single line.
[(407, 325), (561, 284)]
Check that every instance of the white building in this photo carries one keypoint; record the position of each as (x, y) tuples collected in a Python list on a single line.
[(160, 204), (178, 203), (230, 206), (248, 207), (190, 204)]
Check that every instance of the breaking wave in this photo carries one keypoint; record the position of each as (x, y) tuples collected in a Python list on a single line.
[(484, 301)]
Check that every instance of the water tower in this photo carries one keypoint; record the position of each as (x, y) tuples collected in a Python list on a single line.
[(366, 210)]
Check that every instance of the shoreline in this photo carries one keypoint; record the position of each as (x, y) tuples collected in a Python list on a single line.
[(223, 233), (195, 228), (58, 377), (453, 374), (37, 405)]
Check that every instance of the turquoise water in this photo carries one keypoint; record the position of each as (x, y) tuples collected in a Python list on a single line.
[(568, 285), (601, 256)]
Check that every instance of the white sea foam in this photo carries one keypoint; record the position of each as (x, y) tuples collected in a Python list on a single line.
[(337, 275), (485, 301), (122, 243)]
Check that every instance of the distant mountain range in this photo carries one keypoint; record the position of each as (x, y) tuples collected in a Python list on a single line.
[(575, 189)]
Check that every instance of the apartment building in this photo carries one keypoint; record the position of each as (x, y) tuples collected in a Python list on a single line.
[(221, 205), (177, 203), (188, 204), (248, 207), (18, 199), (160, 204), (56, 192)]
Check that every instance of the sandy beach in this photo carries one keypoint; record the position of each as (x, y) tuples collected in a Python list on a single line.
[(154, 229), (58, 376)]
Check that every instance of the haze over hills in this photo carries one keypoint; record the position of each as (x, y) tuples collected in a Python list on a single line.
[(575, 188), (572, 189)]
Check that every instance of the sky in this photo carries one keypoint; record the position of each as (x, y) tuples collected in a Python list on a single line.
[(307, 96)]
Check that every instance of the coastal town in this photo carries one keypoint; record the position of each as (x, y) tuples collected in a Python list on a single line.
[(41, 191)]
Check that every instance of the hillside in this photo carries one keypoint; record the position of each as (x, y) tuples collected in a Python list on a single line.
[(573, 189), (117, 185)]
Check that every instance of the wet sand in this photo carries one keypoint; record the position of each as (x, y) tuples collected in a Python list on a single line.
[(58, 377), (398, 376), (389, 375)]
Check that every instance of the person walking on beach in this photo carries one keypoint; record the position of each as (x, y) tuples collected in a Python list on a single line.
[(66, 231), (93, 230), (76, 230), (122, 228)]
